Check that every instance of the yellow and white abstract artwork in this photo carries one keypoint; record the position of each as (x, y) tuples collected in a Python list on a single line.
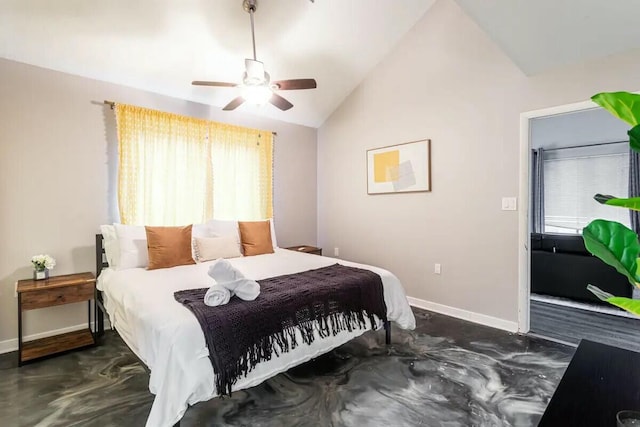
[(402, 168)]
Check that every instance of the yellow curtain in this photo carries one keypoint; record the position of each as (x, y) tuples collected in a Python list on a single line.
[(242, 172), (167, 171)]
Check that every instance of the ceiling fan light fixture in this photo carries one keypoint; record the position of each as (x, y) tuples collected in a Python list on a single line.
[(255, 74), (256, 87), (257, 95)]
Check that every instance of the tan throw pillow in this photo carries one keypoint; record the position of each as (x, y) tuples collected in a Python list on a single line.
[(255, 237), (169, 246), (209, 248)]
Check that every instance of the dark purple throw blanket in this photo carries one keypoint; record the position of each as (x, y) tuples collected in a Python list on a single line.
[(241, 334)]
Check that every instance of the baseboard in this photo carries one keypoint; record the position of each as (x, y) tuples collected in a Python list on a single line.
[(544, 337), (459, 313), (482, 319), (8, 346)]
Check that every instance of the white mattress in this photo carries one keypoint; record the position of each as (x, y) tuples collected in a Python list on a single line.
[(169, 340)]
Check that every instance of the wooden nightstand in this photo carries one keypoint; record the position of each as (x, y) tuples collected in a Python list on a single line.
[(56, 290), (306, 249)]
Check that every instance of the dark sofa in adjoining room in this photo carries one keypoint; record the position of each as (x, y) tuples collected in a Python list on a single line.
[(561, 266)]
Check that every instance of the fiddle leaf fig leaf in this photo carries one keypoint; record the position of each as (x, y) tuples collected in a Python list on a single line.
[(628, 304), (602, 295), (623, 105), (634, 138), (614, 244), (632, 203)]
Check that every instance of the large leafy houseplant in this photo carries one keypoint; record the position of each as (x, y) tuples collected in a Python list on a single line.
[(612, 242)]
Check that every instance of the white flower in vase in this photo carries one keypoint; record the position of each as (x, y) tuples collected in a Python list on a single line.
[(41, 266)]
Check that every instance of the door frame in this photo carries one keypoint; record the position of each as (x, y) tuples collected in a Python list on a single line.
[(524, 212)]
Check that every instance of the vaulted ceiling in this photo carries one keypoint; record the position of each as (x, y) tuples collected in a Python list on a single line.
[(539, 35), (162, 45)]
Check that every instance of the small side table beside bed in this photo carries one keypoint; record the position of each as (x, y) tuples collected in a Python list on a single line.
[(306, 249), (56, 290)]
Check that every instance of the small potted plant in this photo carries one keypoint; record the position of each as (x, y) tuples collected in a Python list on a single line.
[(41, 266)]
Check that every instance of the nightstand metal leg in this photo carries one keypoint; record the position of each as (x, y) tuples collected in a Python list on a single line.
[(95, 321), (19, 330), (100, 321), (99, 314), (387, 332)]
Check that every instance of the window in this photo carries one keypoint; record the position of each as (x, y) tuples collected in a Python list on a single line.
[(572, 176), (176, 170)]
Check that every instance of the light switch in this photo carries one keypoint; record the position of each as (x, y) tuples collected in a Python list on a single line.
[(509, 204)]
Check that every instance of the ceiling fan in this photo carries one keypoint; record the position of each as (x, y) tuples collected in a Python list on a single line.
[(257, 87)]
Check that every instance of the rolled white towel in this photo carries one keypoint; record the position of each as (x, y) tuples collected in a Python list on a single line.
[(245, 289), (222, 271), (228, 276), (217, 295)]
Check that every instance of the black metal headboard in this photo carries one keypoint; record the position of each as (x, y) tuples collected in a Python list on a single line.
[(100, 264), (101, 260)]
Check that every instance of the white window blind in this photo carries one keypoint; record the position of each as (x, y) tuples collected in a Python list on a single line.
[(570, 184)]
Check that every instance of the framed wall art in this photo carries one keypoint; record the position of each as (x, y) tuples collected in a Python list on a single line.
[(402, 168)]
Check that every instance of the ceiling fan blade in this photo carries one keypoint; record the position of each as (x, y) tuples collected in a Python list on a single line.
[(280, 102), (293, 84), (221, 84), (235, 103)]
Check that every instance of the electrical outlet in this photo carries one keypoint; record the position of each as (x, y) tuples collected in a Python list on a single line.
[(437, 269), (336, 251)]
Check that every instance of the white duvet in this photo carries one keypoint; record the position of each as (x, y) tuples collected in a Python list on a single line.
[(169, 340)]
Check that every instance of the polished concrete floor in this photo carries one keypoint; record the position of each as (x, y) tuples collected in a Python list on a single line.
[(447, 372)]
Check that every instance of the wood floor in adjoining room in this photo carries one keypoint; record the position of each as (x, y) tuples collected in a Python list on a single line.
[(569, 324), (446, 372)]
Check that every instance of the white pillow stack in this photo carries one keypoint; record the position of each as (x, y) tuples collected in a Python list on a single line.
[(110, 244), (132, 241), (125, 246)]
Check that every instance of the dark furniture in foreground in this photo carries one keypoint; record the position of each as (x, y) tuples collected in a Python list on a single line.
[(56, 290), (561, 266), (600, 381)]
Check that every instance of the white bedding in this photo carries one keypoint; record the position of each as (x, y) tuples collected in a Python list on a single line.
[(169, 340)]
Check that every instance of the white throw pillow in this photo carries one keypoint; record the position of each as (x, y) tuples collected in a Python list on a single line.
[(110, 244), (210, 248), (132, 241), (223, 227), (199, 230)]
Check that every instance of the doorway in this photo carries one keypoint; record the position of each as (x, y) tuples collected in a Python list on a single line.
[(568, 154)]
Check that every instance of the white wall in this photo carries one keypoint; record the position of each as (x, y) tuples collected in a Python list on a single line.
[(55, 187), (448, 82)]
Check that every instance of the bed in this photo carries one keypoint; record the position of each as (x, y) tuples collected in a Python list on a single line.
[(168, 339)]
